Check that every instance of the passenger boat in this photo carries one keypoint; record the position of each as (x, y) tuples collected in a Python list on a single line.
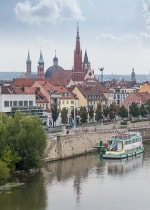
[(124, 145)]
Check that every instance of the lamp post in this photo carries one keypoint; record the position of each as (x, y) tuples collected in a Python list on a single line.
[(102, 111), (74, 113)]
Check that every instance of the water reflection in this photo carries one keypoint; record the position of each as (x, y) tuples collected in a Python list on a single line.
[(77, 169), (85, 182), (124, 166), (32, 196)]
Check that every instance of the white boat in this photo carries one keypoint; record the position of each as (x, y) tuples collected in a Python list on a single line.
[(124, 145)]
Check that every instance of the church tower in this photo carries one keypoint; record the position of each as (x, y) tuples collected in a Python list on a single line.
[(133, 75), (28, 65), (78, 71), (40, 68)]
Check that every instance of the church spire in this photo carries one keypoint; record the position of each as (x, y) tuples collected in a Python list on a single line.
[(85, 58), (77, 73), (40, 68), (78, 40), (41, 61), (28, 64)]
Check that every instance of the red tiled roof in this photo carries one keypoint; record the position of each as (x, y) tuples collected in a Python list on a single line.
[(26, 82), (61, 78), (137, 97)]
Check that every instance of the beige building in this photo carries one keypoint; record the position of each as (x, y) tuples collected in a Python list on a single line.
[(145, 88)]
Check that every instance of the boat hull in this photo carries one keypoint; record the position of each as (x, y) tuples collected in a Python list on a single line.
[(121, 155)]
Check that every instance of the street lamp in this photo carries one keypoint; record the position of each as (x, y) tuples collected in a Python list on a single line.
[(102, 111), (74, 113)]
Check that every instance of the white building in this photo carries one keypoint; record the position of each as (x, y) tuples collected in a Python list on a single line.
[(12, 99)]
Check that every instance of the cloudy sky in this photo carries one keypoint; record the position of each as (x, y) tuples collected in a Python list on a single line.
[(115, 33)]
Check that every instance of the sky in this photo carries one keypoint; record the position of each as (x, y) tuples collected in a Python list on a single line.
[(115, 34)]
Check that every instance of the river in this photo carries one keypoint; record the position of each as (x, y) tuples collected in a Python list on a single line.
[(85, 183)]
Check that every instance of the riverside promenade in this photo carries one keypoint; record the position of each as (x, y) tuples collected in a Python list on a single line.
[(80, 141)]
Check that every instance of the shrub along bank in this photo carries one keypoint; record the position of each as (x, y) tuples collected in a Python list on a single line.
[(22, 143)]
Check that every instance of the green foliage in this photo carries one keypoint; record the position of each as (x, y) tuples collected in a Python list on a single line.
[(83, 114), (98, 113), (147, 105), (10, 157), (105, 111), (143, 110), (4, 171), (55, 114), (64, 113), (113, 110), (124, 123), (134, 110), (123, 112), (91, 112), (22, 142)]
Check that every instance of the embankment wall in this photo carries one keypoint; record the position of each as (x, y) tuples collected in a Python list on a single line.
[(71, 145), (74, 144)]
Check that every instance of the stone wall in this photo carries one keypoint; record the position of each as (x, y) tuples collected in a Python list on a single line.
[(75, 144), (71, 145)]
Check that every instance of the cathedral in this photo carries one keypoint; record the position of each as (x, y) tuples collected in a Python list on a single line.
[(80, 72)]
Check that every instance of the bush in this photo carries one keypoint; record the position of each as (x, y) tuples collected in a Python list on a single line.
[(4, 171), (124, 123)]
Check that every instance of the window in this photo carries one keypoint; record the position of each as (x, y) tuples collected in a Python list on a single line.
[(10, 103), (6, 103), (25, 103), (30, 103), (14, 103), (20, 103)]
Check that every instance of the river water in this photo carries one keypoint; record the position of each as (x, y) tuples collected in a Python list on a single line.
[(85, 183)]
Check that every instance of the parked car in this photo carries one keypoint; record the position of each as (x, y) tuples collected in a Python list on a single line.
[(106, 120)]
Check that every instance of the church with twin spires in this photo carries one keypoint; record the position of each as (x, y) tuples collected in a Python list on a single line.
[(81, 71)]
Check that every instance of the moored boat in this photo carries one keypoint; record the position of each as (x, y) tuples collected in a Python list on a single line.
[(124, 145)]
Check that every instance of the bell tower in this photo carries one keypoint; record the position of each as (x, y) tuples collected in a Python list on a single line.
[(40, 68), (28, 65)]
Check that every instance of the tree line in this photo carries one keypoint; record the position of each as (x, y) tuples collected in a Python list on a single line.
[(103, 112)]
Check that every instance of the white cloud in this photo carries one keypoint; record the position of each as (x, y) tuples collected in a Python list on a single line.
[(146, 10), (48, 11), (110, 40)]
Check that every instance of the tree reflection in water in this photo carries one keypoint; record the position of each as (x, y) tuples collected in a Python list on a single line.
[(32, 196)]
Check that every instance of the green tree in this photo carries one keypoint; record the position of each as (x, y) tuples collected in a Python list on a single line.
[(55, 114), (134, 109), (123, 112), (91, 112), (22, 142), (105, 111), (64, 113), (143, 110), (113, 110), (10, 157), (147, 105), (98, 113), (83, 114), (4, 171)]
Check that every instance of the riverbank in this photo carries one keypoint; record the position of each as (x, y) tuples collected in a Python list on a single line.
[(77, 142)]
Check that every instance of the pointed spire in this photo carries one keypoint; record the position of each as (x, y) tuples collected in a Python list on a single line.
[(41, 61), (28, 58), (85, 58), (78, 40)]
